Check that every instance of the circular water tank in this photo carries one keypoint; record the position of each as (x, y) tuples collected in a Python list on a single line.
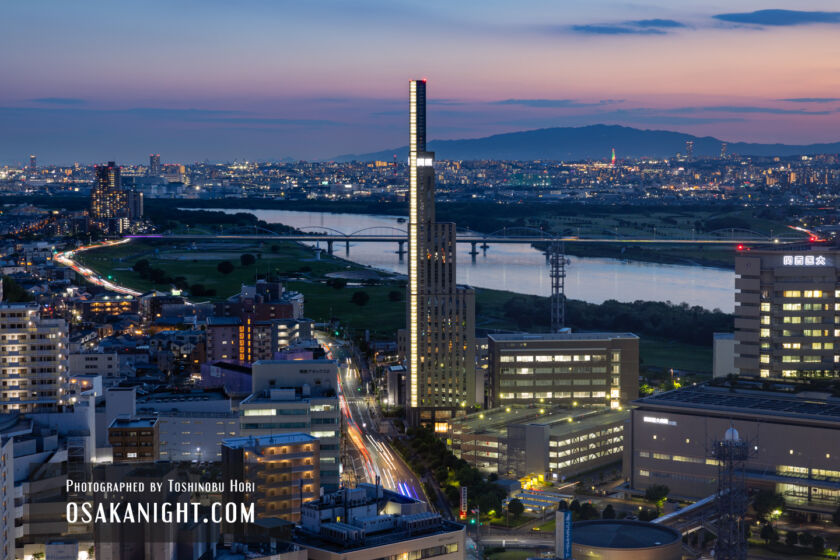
[(620, 539)]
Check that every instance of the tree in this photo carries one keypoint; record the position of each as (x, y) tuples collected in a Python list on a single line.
[(767, 501), (806, 539), (818, 544), (360, 298), (515, 507), (791, 538), (337, 283), (14, 292), (768, 534), (562, 506), (395, 295), (574, 506), (247, 259), (141, 266), (657, 494), (225, 267), (648, 514), (588, 512), (836, 516), (608, 513)]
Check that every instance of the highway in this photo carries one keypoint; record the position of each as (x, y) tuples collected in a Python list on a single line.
[(67, 258), (373, 454)]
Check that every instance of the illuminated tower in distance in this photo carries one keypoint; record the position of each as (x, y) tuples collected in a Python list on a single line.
[(689, 149), (33, 164), (440, 333)]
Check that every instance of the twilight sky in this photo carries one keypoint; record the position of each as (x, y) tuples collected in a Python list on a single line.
[(267, 79)]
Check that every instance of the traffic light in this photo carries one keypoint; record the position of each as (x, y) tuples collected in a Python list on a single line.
[(336, 332), (472, 521)]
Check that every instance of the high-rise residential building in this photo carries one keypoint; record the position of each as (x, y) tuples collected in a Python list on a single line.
[(108, 200), (568, 369), (689, 149), (113, 209), (154, 165), (440, 333), (34, 358), (787, 301), (279, 473), (33, 164)]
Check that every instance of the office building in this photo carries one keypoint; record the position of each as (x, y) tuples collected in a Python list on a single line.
[(787, 301), (552, 444), (154, 165), (569, 369), (135, 439), (369, 523), (297, 396), (440, 333), (283, 470), (34, 358), (33, 164), (794, 442)]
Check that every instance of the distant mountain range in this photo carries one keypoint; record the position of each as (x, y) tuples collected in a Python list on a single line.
[(590, 142)]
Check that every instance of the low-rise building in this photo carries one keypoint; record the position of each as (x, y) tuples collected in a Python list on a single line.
[(551, 443), (134, 439), (369, 523), (278, 473), (586, 369), (794, 442)]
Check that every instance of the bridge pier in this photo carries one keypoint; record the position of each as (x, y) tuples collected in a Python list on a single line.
[(401, 250), (473, 250), (347, 248), (484, 247), (330, 247)]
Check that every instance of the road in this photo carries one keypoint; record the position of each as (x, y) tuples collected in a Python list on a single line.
[(67, 258), (374, 456)]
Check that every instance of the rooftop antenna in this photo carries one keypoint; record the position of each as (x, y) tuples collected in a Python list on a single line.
[(731, 453)]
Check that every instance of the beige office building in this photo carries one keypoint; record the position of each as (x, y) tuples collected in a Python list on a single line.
[(568, 369), (440, 333), (787, 312)]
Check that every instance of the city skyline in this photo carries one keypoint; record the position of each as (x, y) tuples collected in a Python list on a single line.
[(261, 83)]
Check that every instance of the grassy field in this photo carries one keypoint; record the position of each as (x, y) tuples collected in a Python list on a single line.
[(666, 355), (198, 266), (308, 275)]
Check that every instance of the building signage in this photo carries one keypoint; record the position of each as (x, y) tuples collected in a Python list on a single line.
[(804, 260), (463, 502), (659, 420), (563, 534)]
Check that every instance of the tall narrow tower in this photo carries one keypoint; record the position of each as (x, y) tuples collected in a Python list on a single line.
[(440, 342)]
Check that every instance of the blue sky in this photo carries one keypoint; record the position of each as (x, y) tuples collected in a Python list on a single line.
[(268, 79)]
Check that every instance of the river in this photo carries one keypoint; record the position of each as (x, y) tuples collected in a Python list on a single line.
[(522, 269)]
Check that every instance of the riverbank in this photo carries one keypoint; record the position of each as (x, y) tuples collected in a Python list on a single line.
[(382, 312)]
